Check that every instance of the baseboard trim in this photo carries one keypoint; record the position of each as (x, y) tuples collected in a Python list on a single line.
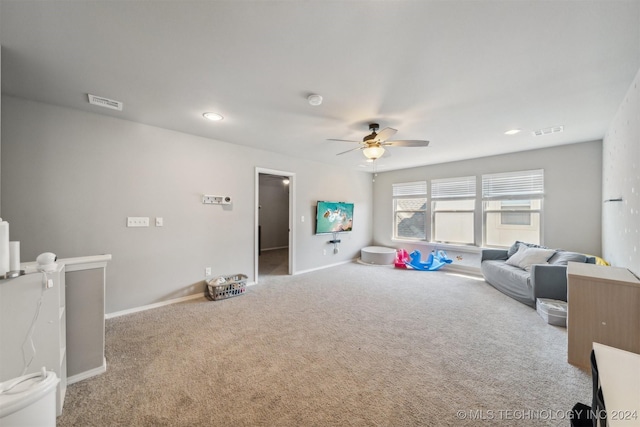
[(274, 249), (152, 306), (88, 374), (324, 266), (158, 304)]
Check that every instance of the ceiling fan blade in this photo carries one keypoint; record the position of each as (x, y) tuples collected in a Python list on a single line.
[(385, 134), (343, 140), (348, 151), (407, 143)]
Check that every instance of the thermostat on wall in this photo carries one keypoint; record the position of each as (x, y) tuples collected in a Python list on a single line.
[(216, 200)]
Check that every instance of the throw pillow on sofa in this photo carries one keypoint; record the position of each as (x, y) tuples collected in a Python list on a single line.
[(527, 256), (514, 248), (563, 257)]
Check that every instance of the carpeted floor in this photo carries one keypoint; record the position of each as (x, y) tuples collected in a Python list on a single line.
[(352, 345), (274, 262)]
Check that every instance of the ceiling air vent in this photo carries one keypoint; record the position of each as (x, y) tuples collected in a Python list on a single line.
[(548, 131), (105, 102)]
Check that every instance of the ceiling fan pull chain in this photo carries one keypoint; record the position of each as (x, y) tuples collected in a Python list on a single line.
[(374, 170)]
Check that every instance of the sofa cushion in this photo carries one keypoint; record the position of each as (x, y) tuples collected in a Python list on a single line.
[(563, 257), (514, 248), (510, 280), (527, 256)]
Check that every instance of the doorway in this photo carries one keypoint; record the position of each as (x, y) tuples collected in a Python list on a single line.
[(274, 228)]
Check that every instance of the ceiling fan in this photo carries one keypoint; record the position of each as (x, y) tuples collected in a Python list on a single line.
[(372, 145)]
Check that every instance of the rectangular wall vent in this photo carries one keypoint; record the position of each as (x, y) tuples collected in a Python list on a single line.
[(548, 131), (105, 102)]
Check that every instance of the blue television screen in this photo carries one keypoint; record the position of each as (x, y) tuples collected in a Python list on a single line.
[(334, 217)]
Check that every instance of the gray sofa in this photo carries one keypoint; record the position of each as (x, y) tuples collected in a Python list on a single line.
[(542, 281)]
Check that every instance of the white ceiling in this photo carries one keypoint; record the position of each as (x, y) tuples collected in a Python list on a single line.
[(457, 73)]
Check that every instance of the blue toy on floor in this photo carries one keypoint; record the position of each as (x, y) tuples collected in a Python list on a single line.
[(435, 261)]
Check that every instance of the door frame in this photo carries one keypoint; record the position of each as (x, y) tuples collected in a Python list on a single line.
[(292, 212)]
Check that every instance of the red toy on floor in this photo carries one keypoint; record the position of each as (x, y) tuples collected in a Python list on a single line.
[(402, 256)]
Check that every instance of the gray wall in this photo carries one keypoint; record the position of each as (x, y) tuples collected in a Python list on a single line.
[(621, 178), (572, 203), (274, 212), (70, 179)]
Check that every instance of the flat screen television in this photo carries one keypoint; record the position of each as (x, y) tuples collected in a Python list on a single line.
[(334, 217)]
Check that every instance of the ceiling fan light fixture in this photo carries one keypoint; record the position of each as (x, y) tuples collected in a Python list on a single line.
[(373, 152)]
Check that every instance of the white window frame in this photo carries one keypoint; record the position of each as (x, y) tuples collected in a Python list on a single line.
[(404, 191), (453, 189), (517, 185)]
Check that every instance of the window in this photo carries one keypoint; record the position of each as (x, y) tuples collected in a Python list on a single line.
[(509, 214), (410, 210), (453, 203), (512, 204)]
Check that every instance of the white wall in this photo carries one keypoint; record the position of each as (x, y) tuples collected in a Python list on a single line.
[(572, 202), (621, 178), (70, 179)]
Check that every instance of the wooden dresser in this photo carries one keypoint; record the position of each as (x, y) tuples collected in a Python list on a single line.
[(603, 307)]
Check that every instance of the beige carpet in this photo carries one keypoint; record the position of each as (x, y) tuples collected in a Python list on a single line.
[(352, 345), (274, 262)]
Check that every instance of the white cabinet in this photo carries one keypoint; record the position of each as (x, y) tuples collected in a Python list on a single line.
[(618, 373), (33, 327)]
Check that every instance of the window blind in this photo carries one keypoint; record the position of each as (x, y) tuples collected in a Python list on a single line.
[(461, 187), (521, 183), (417, 188)]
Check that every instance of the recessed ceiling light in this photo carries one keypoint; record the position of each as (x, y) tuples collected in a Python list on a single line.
[(513, 131), (314, 100), (214, 117)]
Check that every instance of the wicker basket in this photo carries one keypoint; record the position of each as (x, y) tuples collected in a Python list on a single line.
[(227, 286)]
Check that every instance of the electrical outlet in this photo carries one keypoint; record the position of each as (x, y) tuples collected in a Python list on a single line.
[(137, 221), (207, 271), (211, 200), (324, 252)]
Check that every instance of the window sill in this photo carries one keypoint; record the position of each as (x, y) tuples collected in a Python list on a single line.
[(445, 246)]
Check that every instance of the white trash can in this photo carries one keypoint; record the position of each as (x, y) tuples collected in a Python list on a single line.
[(29, 400)]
